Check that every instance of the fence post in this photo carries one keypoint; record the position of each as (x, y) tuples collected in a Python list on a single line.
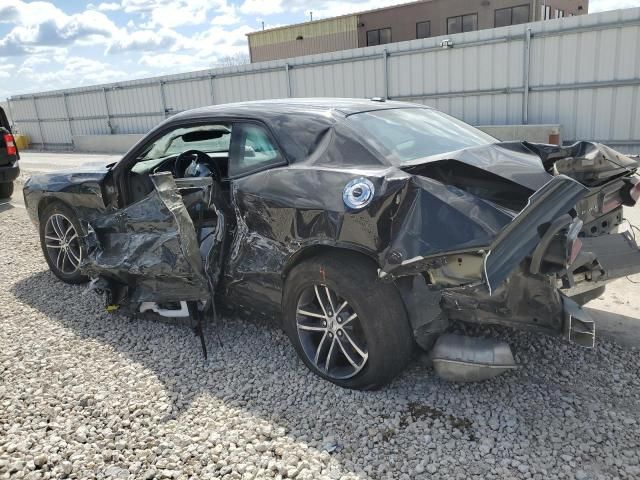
[(287, 67), (525, 79), (66, 111), (385, 76), (213, 96), (164, 99), (35, 107), (106, 106)]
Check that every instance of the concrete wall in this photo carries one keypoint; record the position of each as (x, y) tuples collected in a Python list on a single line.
[(105, 143)]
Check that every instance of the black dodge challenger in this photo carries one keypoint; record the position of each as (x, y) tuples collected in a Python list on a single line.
[(367, 226)]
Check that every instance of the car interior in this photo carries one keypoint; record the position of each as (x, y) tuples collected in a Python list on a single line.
[(215, 151)]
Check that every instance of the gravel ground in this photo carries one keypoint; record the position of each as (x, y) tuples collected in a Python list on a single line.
[(86, 394)]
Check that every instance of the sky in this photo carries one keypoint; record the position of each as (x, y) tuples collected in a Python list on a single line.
[(48, 45)]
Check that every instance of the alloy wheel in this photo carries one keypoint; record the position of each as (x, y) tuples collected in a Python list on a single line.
[(63, 244), (331, 333)]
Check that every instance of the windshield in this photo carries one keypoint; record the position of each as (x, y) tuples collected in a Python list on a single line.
[(411, 133)]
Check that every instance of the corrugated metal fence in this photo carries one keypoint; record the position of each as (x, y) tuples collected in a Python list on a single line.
[(582, 72)]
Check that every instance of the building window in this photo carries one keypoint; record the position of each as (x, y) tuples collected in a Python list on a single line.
[(462, 23), (423, 29), (546, 12), (379, 37), (511, 16)]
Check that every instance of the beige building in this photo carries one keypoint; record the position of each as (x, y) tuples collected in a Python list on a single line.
[(422, 19)]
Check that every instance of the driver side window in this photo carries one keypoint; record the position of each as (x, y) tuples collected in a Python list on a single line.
[(212, 139)]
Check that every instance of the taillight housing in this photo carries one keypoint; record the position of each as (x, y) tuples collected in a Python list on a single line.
[(631, 192), (574, 244), (10, 144)]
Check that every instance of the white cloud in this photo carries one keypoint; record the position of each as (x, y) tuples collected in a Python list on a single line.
[(171, 61), (175, 13), (602, 5), (6, 70), (63, 71), (216, 43), (320, 8), (109, 7), (261, 7), (225, 14), (146, 41), (41, 24), (226, 19)]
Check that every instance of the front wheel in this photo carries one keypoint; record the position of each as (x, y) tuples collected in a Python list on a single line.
[(345, 324), (61, 243)]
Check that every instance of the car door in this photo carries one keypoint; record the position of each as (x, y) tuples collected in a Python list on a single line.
[(163, 247), (252, 271)]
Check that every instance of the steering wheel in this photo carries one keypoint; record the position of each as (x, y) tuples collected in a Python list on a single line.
[(187, 158)]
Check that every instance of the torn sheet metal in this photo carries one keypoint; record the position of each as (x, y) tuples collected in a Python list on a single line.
[(518, 240), (150, 247), (590, 163)]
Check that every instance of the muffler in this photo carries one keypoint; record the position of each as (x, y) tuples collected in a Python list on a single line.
[(459, 358)]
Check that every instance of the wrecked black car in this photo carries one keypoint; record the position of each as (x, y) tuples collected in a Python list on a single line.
[(366, 226)]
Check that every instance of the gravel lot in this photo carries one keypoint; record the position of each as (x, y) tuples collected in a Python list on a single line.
[(86, 394)]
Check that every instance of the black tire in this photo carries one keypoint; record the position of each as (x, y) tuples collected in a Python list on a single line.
[(6, 190), (65, 274), (381, 318), (585, 297)]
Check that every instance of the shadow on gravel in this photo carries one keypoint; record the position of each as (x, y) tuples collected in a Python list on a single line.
[(5, 205), (619, 328), (256, 372)]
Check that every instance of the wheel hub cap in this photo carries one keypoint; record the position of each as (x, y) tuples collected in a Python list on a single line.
[(331, 333), (62, 244)]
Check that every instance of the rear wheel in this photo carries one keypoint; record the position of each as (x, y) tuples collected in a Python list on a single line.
[(6, 190), (61, 243), (346, 325)]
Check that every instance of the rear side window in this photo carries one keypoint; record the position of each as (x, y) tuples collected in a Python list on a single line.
[(407, 134), (255, 150)]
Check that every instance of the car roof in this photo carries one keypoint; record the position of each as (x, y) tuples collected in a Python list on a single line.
[(264, 109)]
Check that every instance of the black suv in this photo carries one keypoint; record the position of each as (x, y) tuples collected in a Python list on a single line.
[(9, 156)]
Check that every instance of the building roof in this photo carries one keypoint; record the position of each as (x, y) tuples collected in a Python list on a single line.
[(284, 27)]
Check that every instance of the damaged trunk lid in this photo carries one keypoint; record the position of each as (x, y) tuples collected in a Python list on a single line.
[(491, 206)]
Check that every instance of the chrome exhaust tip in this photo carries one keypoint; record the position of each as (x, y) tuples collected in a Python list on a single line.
[(459, 358)]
